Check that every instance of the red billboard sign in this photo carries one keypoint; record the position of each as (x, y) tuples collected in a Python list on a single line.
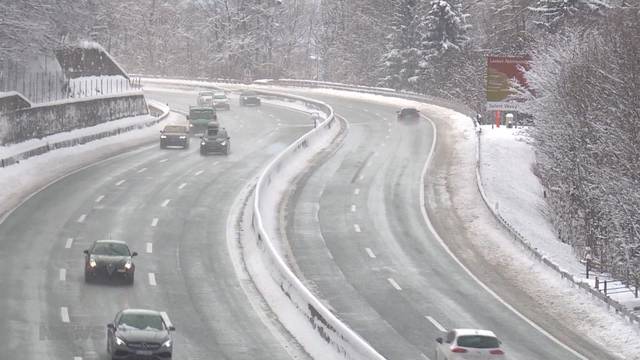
[(501, 71)]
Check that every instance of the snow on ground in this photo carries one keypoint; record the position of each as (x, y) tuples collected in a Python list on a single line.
[(507, 158)]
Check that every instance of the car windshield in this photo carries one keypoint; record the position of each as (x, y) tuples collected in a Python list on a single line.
[(409, 111), (175, 129), (112, 249), (141, 322), (249, 93), (206, 93), (220, 96), (198, 113), (478, 342)]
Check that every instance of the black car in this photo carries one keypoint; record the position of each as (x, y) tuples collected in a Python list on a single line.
[(408, 114), (175, 135), (215, 140), (140, 334), (249, 98), (109, 259)]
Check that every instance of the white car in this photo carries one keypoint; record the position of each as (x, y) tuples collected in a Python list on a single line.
[(221, 101), (469, 344)]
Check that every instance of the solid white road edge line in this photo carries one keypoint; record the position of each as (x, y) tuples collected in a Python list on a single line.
[(99, 198), (82, 218), (435, 323), (68, 244), (423, 210), (394, 284), (370, 253), (154, 222), (63, 274), (64, 314), (152, 279), (149, 248), (165, 203), (356, 227)]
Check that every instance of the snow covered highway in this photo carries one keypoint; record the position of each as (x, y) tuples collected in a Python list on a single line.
[(172, 207), (356, 228)]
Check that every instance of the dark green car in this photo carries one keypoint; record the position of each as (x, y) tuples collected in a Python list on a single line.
[(199, 117)]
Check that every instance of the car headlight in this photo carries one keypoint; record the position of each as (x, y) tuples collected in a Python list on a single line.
[(223, 143), (203, 143), (167, 343), (163, 136), (92, 262), (183, 136), (128, 265), (190, 125), (119, 341)]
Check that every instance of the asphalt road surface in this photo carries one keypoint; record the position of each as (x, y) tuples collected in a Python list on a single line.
[(171, 206)]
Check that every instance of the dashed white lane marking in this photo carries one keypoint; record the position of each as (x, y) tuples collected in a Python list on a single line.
[(154, 222), (356, 191), (165, 203), (68, 244), (361, 177), (389, 130), (142, 170), (64, 314), (152, 279), (370, 253), (120, 182), (149, 248), (182, 186), (199, 172), (99, 198), (77, 358), (63, 274), (436, 324), (164, 160), (353, 208), (356, 227), (330, 255), (394, 284), (386, 137), (82, 218)]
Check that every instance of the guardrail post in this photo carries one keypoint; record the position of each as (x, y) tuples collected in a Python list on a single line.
[(605, 288), (597, 284), (637, 283)]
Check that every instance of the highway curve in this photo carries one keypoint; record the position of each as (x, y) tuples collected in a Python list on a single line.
[(359, 240)]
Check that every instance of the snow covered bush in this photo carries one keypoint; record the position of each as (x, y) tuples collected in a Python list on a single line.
[(588, 137)]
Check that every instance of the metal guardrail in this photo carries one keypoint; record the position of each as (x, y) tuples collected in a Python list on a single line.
[(39, 150)]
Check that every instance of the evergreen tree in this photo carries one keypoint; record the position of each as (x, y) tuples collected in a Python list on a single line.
[(401, 61)]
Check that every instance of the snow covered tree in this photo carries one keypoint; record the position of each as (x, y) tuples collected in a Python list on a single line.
[(401, 61), (444, 27), (551, 14)]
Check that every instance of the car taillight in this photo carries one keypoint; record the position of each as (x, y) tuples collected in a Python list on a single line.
[(496, 352), (458, 350)]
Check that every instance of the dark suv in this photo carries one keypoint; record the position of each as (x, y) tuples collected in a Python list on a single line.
[(249, 98), (215, 139), (140, 334), (408, 114), (174, 135)]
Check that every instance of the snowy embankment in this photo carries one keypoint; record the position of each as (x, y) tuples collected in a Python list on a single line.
[(27, 177)]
